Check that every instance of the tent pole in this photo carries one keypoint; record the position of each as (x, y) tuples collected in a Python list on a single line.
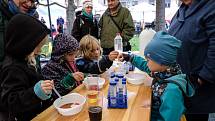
[(50, 21)]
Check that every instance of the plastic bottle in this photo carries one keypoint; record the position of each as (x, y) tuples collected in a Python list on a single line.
[(145, 37), (117, 84), (131, 67), (112, 92), (124, 86), (120, 90), (118, 45), (112, 76)]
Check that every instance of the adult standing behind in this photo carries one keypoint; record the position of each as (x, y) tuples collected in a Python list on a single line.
[(116, 19), (23, 90), (85, 23), (194, 25), (60, 23), (9, 8), (42, 20)]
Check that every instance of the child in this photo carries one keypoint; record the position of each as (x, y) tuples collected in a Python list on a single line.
[(91, 60), (169, 87), (22, 89), (61, 67)]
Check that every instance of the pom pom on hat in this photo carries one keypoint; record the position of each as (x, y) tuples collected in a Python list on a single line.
[(87, 3)]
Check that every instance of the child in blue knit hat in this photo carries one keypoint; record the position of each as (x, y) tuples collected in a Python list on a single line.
[(169, 86)]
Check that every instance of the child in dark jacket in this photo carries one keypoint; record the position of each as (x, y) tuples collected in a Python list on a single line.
[(91, 60), (169, 87), (61, 67), (23, 90)]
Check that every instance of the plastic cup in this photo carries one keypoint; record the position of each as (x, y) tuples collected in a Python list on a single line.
[(95, 105)]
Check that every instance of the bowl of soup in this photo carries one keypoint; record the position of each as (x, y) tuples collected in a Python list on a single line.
[(70, 104)]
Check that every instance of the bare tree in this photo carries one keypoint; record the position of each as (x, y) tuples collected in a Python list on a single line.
[(70, 15), (160, 15)]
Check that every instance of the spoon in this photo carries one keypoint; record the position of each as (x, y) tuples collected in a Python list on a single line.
[(58, 94)]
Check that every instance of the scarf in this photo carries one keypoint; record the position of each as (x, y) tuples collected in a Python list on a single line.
[(73, 68), (15, 9), (89, 16)]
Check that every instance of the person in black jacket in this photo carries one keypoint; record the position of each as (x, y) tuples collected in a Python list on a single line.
[(85, 23), (9, 8), (91, 60), (23, 90)]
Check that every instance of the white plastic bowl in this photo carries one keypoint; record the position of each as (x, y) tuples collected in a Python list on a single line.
[(101, 82), (70, 98), (136, 78)]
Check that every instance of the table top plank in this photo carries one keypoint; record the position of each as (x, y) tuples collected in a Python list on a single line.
[(139, 101)]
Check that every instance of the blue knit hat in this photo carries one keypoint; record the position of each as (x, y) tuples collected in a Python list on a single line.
[(163, 49)]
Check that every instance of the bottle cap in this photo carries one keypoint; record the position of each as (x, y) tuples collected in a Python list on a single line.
[(112, 83), (112, 75), (116, 80), (123, 79), (120, 75)]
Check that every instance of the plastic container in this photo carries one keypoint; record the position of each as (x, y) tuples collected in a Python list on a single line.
[(136, 78), (101, 82), (74, 98), (112, 92), (118, 45)]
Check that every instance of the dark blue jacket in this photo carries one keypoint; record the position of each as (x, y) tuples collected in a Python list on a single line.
[(93, 67), (194, 25)]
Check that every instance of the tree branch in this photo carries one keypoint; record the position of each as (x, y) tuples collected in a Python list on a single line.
[(54, 3)]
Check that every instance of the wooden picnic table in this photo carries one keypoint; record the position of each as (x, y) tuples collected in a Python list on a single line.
[(139, 107)]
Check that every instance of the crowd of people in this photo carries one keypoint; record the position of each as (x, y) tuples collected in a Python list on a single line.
[(180, 61)]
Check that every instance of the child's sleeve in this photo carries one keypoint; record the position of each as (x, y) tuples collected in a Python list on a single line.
[(62, 84), (40, 93), (172, 103), (92, 67), (140, 63), (104, 63)]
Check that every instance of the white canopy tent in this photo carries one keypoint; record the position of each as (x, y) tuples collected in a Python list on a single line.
[(143, 12)]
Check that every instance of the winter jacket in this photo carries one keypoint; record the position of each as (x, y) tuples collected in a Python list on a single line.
[(94, 67), (168, 92), (83, 26), (58, 69), (60, 72), (108, 29), (5, 15), (18, 98), (194, 25)]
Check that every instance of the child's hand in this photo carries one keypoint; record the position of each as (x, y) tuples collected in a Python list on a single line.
[(113, 55), (47, 86), (79, 76), (123, 57)]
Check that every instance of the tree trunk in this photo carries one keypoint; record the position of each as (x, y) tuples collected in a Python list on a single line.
[(70, 15), (160, 15)]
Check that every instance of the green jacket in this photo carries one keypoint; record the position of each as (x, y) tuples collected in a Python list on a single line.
[(108, 29)]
